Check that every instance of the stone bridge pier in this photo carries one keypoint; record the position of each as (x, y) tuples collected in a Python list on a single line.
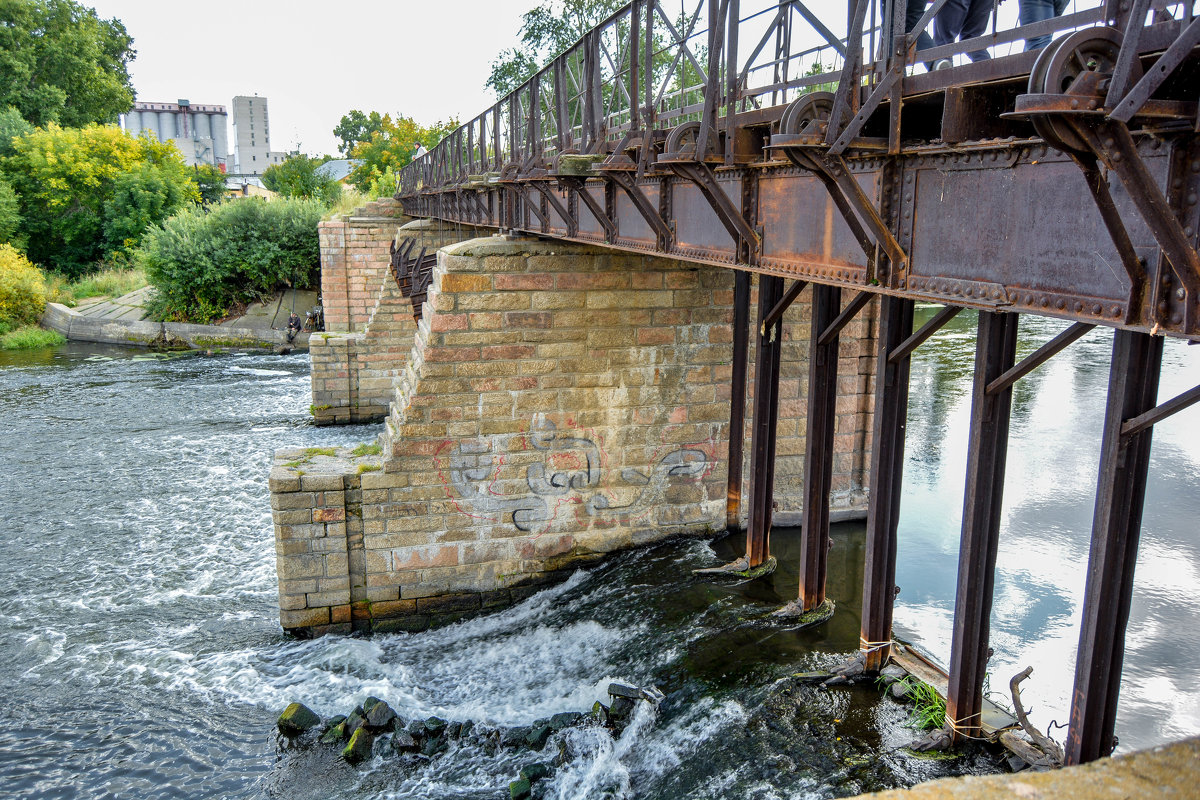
[(555, 403)]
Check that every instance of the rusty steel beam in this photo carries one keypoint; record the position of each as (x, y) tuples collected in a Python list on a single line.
[(818, 448), (886, 480), (737, 398), (768, 347), (1116, 527), (987, 447)]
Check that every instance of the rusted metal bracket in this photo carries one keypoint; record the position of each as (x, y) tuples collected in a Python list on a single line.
[(906, 348), (843, 319), (771, 317), (852, 129), (553, 201), (1126, 105), (649, 211), (701, 174), (575, 185), (1039, 357), (856, 208), (1112, 144), (1160, 412)]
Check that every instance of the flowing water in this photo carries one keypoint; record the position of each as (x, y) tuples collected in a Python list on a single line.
[(140, 654)]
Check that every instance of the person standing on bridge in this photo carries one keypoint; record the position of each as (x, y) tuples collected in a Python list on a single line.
[(420, 151), (960, 20), (1032, 11)]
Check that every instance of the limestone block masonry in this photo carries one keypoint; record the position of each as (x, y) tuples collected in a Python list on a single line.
[(356, 361), (559, 402)]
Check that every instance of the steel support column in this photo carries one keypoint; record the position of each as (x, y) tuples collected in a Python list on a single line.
[(1116, 526), (886, 479), (766, 413), (818, 449), (987, 446), (737, 398)]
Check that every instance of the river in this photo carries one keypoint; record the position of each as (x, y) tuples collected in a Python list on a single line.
[(140, 654)]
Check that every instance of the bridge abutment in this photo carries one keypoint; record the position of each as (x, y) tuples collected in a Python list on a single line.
[(369, 322), (558, 402)]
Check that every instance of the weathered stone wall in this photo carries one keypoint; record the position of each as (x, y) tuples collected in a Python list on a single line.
[(353, 373), (354, 262), (559, 403)]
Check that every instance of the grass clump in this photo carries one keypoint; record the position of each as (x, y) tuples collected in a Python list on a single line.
[(929, 709), (110, 282), (30, 337), (366, 450), (368, 468), (320, 451)]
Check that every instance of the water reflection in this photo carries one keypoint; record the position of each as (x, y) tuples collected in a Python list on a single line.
[(1049, 492)]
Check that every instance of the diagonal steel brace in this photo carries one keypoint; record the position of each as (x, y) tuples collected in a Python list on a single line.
[(553, 201), (625, 181), (576, 185), (856, 208), (701, 174), (1112, 144)]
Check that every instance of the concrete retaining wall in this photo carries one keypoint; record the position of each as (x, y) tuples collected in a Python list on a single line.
[(163, 335)]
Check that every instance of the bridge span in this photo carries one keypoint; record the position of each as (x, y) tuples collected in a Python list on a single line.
[(1062, 181)]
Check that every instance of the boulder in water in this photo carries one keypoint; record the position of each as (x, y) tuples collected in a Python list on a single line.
[(379, 715), (520, 789), (537, 736), (435, 726), (404, 743), (359, 747), (564, 720), (296, 719), (335, 735), (535, 772)]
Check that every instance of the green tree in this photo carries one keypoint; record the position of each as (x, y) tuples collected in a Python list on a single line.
[(10, 215), (546, 31), (210, 183), (300, 176), (59, 62), (390, 149), (84, 192), (357, 127), (12, 124)]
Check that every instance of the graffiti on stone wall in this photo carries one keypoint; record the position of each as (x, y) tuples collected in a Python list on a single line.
[(532, 479)]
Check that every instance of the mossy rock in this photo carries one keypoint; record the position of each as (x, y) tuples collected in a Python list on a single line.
[(535, 772), (520, 789), (296, 719), (358, 749), (579, 164), (335, 735), (537, 736)]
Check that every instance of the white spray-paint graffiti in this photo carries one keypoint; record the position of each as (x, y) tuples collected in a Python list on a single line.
[(572, 475)]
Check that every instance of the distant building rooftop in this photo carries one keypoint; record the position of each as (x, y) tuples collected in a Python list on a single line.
[(339, 169)]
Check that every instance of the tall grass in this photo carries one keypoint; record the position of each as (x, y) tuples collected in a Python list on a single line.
[(350, 199), (929, 709), (30, 337), (109, 282)]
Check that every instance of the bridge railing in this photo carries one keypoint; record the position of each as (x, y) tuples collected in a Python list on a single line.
[(648, 68)]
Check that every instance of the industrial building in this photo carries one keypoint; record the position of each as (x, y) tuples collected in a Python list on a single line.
[(198, 131)]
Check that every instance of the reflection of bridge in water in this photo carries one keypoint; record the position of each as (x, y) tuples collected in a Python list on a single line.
[(1061, 182)]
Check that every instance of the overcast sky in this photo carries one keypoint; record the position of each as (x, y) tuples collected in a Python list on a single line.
[(314, 61)]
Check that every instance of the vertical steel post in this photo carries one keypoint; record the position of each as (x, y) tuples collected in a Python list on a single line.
[(818, 447), (987, 449), (887, 478), (1116, 527), (737, 397), (766, 412)]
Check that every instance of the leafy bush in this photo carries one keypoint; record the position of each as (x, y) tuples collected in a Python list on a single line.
[(204, 263), (30, 337), (10, 212), (22, 289), (88, 193)]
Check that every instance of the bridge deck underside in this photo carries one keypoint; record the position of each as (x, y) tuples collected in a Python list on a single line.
[(997, 225)]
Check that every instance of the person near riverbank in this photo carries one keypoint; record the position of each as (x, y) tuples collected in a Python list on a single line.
[(293, 327)]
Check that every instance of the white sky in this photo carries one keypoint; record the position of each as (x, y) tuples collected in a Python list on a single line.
[(314, 61)]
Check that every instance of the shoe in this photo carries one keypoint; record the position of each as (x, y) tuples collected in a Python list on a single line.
[(943, 63)]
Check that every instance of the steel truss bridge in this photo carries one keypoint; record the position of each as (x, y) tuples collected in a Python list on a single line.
[(1062, 181)]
